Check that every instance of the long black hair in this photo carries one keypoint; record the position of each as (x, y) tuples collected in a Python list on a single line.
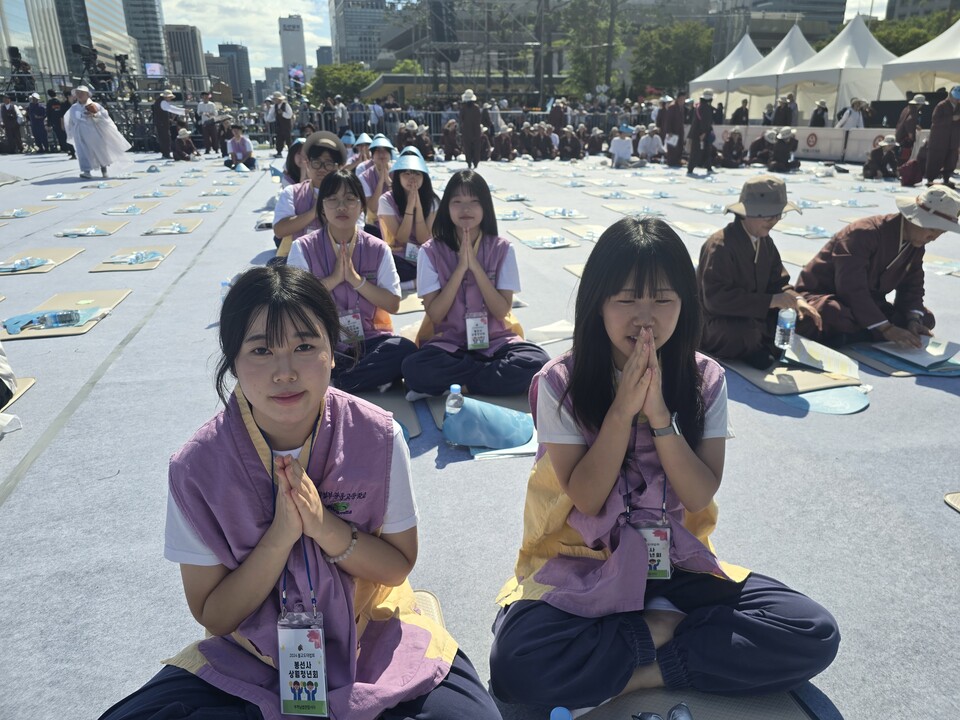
[(287, 294), (331, 185), (472, 184), (290, 164), (651, 252), (426, 193)]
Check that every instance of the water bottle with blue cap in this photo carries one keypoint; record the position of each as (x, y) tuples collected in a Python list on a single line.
[(561, 713), (786, 323)]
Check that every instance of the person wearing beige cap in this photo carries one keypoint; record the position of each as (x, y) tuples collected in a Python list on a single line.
[(907, 126), (882, 162), (818, 118), (742, 284), (163, 109), (650, 147), (569, 147), (783, 159), (281, 115), (734, 154), (849, 280), (470, 124), (761, 149), (183, 147)]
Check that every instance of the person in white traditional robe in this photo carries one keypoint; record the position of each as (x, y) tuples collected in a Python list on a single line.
[(94, 135)]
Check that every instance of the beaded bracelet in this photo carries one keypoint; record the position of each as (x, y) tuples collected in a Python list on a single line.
[(346, 553)]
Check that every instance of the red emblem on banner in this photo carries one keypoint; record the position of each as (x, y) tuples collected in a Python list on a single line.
[(812, 140)]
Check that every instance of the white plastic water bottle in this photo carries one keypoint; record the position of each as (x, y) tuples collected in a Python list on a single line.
[(786, 322), (59, 319), (454, 401)]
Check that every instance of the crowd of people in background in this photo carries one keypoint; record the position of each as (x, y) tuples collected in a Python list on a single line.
[(677, 131)]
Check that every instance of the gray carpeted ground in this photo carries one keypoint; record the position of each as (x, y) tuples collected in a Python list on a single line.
[(848, 509)]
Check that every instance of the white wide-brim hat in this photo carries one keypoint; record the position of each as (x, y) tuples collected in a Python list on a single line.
[(888, 141), (468, 96), (935, 208), (822, 103), (918, 100), (183, 133)]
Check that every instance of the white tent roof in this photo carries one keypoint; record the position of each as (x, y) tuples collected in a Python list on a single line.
[(760, 78), (930, 66), (742, 57), (850, 66)]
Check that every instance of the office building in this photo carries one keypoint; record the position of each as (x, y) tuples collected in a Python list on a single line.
[(218, 68), (274, 80), (324, 55), (826, 11), (355, 29), (31, 26), (901, 9), (293, 49), (145, 25), (239, 69), (98, 25), (184, 50)]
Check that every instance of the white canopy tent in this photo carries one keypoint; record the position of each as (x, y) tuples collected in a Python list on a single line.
[(849, 67), (763, 78), (717, 78), (930, 66)]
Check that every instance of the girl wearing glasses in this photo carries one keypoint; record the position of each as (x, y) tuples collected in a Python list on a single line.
[(296, 212), (617, 587), (298, 491), (358, 270), (407, 211), (466, 276)]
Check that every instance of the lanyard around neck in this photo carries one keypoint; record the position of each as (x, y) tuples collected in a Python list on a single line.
[(303, 545)]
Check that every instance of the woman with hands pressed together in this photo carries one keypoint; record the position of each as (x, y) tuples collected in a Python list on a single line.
[(407, 211), (375, 176), (466, 277), (616, 586), (358, 270), (298, 491)]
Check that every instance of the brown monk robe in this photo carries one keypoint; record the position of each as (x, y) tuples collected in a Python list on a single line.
[(741, 281), (906, 133), (944, 142), (673, 125), (849, 279), (448, 138)]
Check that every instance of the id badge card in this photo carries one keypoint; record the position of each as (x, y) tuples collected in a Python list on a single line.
[(478, 333), (657, 537), (303, 668), (351, 328), (411, 252)]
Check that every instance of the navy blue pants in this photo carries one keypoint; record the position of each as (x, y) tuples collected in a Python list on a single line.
[(175, 694), (746, 638), (508, 371), (377, 363)]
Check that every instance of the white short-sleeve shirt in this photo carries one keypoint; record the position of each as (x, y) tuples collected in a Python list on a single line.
[(284, 207), (428, 280), (562, 429), (183, 545)]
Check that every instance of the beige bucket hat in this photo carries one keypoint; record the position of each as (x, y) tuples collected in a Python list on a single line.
[(935, 208), (762, 196)]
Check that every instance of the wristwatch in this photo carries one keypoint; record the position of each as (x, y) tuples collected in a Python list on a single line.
[(671, 429)]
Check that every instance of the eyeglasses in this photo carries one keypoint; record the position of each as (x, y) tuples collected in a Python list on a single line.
[(334, 202), (323, 165)]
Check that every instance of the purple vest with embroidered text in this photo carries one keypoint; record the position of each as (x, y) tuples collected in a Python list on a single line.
[(304, 199), (590, 587), (451, 332)]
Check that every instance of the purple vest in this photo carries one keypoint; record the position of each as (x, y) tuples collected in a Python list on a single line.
[(367, 256), (591, 587), (221, 484), (304, 199), (369, 177), (451, 332)]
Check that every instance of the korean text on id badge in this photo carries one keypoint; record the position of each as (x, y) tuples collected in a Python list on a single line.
[(303, 670), (478, 332)]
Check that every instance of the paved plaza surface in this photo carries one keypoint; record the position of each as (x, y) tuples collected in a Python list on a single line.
[(848, 509)]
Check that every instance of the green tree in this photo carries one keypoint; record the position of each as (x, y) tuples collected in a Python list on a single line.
[(585, 25), (346, 79), (671, 55), (903, 36), (407, 67)]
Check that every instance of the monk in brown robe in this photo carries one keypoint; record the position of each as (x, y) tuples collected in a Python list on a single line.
[(673, 126), (944, 142), (741, 280), (906, 134), (849, 279)]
